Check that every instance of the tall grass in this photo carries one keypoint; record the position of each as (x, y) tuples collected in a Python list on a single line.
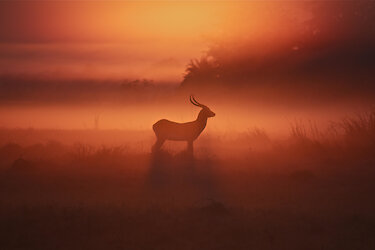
[(359, 130), (351, 136), (303, 132)]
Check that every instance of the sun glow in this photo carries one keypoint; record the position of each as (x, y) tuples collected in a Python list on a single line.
[(153, 40)]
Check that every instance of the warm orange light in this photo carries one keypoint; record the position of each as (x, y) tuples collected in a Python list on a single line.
[(122, 39)]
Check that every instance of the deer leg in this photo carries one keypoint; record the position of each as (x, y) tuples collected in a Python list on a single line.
[(159, 142), (190, 146)]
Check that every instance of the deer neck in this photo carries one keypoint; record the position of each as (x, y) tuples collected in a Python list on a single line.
[(202, 119)]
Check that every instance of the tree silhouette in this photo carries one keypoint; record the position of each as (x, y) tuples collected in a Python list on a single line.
[(337, 42), (203, 70)]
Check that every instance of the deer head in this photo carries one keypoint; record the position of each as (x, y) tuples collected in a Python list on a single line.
[(205, 112)]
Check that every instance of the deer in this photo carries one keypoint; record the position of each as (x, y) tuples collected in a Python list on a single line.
[(188, 131)]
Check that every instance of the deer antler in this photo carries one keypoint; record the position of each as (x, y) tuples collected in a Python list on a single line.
[(195, 102)]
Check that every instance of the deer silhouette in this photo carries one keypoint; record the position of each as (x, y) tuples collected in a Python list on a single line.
[(188, 131)]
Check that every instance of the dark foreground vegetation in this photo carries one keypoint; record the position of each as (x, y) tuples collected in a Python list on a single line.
[(311, 191)]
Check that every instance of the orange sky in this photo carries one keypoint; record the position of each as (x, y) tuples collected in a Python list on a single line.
[(127, 39), (153, 40)]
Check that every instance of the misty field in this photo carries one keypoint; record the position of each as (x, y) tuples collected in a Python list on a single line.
[(277, 96), (312, 190)]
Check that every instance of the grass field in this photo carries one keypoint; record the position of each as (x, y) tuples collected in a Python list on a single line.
[(311, 190)]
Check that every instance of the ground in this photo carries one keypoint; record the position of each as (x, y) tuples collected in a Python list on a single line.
[(290, 196)]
